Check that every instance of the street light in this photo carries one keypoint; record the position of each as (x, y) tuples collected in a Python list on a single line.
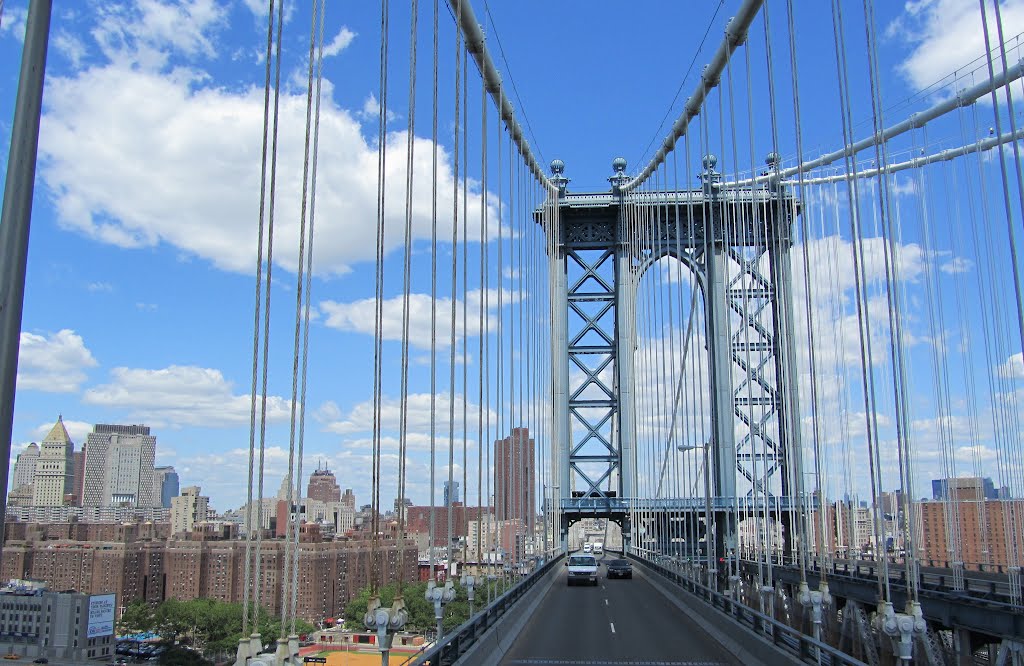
[(708, 531)]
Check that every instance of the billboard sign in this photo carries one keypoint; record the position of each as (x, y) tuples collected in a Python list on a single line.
[(101, 615)]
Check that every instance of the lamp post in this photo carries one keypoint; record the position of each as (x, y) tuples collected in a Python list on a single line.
[(708, 513), (440, 596)]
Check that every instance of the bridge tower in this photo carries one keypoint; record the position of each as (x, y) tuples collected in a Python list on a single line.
[(736, 243)]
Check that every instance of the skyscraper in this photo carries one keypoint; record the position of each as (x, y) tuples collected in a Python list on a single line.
[(514, 494), (451, 492), (25, 466), (119, 466), (323, 486), (188, 509), (166, 484), (53, 476)]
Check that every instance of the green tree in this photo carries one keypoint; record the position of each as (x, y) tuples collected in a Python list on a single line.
[(421, 611), (137, 617), (208, 625)]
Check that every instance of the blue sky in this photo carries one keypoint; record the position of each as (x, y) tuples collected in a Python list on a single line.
[(140, 284)]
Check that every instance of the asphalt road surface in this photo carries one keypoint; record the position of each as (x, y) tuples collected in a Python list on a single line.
[(618, 622)]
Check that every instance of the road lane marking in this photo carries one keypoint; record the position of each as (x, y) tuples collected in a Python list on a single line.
[(605, 602), (613, 626)]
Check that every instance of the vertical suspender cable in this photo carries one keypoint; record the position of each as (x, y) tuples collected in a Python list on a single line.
[(309, 275), (403, 416), (256, 525), (433, 309), (289, 577)]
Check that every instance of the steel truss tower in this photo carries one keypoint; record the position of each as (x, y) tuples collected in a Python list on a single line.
[(736, 243)]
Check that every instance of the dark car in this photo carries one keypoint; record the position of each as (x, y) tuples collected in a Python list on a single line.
[(41, 660), (620, 569)]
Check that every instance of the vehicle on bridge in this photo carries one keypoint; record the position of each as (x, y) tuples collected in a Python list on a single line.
[(620, 569), (582, 568)]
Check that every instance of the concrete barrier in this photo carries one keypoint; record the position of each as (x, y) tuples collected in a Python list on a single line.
[(492, 646)]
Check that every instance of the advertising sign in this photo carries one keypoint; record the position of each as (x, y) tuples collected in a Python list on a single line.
[(101, 615)]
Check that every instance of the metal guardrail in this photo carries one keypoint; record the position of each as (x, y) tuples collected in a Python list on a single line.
[(804, 647), (462, 638)]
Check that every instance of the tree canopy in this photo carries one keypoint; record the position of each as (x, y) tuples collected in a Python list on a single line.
[(209, 625)]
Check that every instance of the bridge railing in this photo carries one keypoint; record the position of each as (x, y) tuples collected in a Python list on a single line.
[(454, 644), (806, 648)]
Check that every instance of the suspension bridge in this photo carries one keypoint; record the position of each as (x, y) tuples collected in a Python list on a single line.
[(740, 354)]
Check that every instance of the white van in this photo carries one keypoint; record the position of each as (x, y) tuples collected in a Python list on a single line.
[(588, 548), (582, 569), (598, 547)]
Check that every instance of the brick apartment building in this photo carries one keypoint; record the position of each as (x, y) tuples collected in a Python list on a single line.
[(985, 527), (418, 520), (139, 562)]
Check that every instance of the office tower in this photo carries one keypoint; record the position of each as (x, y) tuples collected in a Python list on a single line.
[(349, 499), (323, 486), (188, 509), (25, 466), (451, 492), (964, 488), (119, 466), (78, 478), (165, 481), (53, 476), (514, 494)]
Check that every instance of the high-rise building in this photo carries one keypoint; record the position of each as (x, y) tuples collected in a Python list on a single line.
[(187, 509), (166, 483), (349, 499), (451, 492), (119, 467), (53, 477), (78, 479), (323, 486), (514, 493), (25, 466), (964, 488)]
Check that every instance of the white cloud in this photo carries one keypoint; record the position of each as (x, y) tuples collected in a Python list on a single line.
[(957, 265), (358, 316), (77, 430), (13, 22), (180, 395), (183, 169), (71, 47), (146, 32), (54, 363), (1013, 367), (339, 43), (947, 35), (360, 418), (100, 286)]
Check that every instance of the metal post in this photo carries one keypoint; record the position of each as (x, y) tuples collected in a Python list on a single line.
[(14, 223), (560, 369)]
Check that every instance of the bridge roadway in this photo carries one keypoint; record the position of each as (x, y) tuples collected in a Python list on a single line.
[(620, 621)]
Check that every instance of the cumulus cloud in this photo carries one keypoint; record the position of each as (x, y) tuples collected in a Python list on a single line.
[(947, 35), (180, 395), (54, 363), (1013, 367), (358, 316), (13, 22), (77, 430), (339, 43), (360, 418), (183, 166)]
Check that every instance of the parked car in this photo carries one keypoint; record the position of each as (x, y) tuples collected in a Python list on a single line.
[(41, 660), (620, 569)]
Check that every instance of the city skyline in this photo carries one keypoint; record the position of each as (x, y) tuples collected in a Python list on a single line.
[(124, 288)]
